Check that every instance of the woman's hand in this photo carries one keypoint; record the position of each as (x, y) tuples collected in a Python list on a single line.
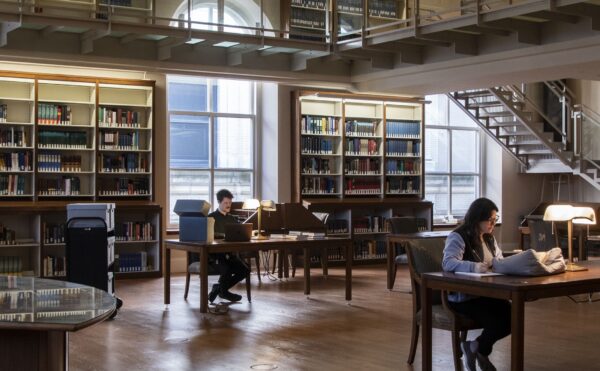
[(480, 268)]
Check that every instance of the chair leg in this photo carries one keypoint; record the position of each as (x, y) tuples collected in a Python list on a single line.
[(248, 288), (293, 265), (414, 339), (187, 285), (463, 337), (456, 350), (257, 260), (394, 275)]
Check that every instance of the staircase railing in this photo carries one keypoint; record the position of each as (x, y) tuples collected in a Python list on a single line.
[(587, 136)]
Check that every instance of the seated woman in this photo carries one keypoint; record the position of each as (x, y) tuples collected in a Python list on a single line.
[(471, 248)]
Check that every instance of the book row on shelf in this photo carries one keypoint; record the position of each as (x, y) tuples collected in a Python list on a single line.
[(363, 166), (127, 3), (54, 114), (64, 186), (384, 8), (318, 185), (319, 125), (337, 226), (403, 167), (395, 147), (12, 137), (54, 233), (301, 18), (118, 117), (369, 224), (10, 264), (15, 161), (123, 163), (54, 266), (49, 161), (357, 146), (132, 262), (317, 145), (315, 165), (118, 140), (7, 236), (127, 186), (363, 250), (404, 128), (3, 112), (363, 128), (408, 185), (12, 185), (62, 139), (358, 186), (317, 4), (134, 231)]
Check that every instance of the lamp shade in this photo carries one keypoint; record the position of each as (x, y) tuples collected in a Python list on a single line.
[(251, 204), (584, 215), (268, 205), (558, 213)]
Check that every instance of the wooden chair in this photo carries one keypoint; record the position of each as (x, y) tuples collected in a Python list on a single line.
[(193, 267), (426, 256), (402, 225)]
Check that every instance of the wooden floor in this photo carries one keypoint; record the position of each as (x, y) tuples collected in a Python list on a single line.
[(282, 328)]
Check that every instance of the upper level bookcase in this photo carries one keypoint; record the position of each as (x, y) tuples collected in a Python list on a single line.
[(356, 146), (64, 137)]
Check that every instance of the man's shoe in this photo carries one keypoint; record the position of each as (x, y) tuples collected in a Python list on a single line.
[(468, 356), (214, 292), (484, 363), (227, 295)]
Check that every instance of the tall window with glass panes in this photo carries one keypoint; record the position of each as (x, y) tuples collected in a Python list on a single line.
[(212, 128), (452, 159)]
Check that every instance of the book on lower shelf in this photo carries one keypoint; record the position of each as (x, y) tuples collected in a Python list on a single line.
[(54, 266), (132, 262), (11, 265), (15, 161), (305, 234), (12, 185)]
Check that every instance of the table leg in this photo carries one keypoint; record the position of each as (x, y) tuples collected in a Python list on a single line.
[(306, 251), (349, 257), (324, 262), (390, 264), (426, 340), (167, 278), (286, 263), (280, 257), (517, 342), (203, 281)]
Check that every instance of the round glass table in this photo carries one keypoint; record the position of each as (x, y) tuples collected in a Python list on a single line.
[(36, 315)]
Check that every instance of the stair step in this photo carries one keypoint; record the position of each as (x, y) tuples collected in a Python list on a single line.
[(484, 104), (536, 152), (496, 114), (515, 134), (504, 124), (525, 143), (471, 94)]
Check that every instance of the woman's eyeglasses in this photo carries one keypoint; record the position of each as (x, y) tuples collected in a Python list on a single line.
[(493, 219)]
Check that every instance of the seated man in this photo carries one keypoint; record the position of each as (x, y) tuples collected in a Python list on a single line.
[(230, 267)]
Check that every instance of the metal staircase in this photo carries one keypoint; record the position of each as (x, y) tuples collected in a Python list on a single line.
[(587, 134), (520, 127)]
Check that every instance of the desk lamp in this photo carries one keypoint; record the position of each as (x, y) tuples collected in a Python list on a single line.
[(259, 206), (571, 215)]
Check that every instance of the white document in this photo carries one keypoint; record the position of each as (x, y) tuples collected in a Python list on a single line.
[(474, 274)]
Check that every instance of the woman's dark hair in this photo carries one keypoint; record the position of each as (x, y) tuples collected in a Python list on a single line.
[(479, 211), (222, 194)]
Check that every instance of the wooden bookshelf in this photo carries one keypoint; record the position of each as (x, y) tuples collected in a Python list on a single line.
[(356, 146), (67, 139)]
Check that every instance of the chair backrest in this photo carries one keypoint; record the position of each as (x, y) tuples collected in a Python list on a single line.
[(541, 236), (424, 255), (404, 224)]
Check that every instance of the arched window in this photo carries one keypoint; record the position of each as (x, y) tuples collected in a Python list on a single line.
[(235, 13)]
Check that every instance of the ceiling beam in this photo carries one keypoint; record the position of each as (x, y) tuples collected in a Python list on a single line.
[(485, 30), (527, 32), (299, 60), (128, 38), (5, 29), (164, 47), (583, 10), (556, 16), (87, 39), (48, 30), (235, 54)]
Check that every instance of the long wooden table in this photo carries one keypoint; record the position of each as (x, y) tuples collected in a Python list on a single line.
[(204, 249), (392, 239), (514, 288)]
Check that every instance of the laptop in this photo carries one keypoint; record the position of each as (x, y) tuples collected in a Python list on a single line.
[(238, 232)]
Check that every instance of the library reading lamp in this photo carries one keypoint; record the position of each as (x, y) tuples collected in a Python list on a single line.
[(259, 206), (571, 215)]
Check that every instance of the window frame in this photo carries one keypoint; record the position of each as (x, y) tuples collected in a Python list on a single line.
[(450, 173), (211, 83)]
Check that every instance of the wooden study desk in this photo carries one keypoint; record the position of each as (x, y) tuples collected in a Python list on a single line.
[(515, 288), (204, 249), (391, 239)]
